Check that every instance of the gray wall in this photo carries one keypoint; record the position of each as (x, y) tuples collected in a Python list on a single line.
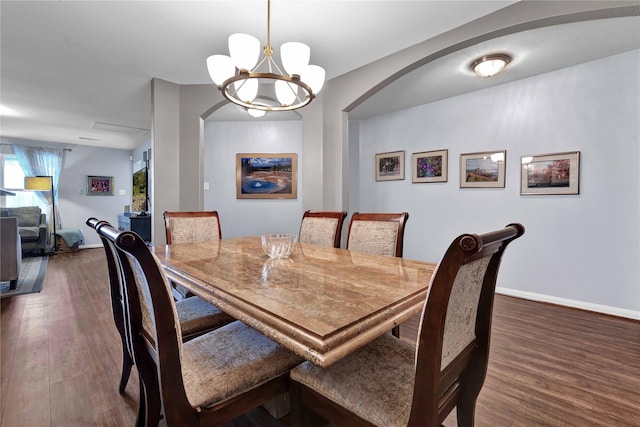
[(243, 217), (578, 250)]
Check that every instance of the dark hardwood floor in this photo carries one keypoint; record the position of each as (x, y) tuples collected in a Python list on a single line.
[(549, 365)]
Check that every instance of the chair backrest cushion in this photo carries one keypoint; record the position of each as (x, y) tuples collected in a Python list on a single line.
[(374, 237), (193, 229), (318, 231), (460, 320), (146, 302)]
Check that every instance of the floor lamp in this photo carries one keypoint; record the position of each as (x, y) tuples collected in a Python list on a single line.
[(44, 183)]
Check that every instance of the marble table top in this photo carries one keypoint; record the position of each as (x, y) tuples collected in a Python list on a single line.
[(321, 303)]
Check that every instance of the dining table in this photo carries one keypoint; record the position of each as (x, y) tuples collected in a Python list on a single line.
[(321, 303)]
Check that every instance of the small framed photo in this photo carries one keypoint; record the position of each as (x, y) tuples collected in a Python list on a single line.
[(429, 166), (99, 185), (482, 170), (266, 176), (390, 166), (557, 173)]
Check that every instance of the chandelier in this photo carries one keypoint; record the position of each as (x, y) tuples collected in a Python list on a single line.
[(240, 76)]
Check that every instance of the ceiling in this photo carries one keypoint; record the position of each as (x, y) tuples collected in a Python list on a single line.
[(66, 65)]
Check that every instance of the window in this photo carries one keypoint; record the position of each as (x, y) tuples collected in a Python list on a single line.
[(13, 180)]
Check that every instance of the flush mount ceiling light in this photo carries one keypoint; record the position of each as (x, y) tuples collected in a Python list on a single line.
[(239, 76), (490, 65)]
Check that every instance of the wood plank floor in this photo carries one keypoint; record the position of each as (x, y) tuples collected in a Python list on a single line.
[(549, 365)]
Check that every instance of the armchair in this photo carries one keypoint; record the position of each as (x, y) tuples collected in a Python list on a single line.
[(32, 226), (11, 254)]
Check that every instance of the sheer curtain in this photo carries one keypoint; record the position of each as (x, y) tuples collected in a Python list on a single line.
[(41, 161)]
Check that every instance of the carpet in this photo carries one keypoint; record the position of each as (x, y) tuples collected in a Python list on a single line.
[(31, 277)]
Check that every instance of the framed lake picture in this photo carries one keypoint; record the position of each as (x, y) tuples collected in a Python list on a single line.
[(390, 166), (429, 166), (482, 170), (266, 176), (550, 173)]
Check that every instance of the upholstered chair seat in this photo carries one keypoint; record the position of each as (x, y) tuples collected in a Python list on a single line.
[(375, 383), (217, 366), (197, 316)]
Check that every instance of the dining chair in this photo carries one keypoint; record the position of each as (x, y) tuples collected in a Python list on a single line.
[(322, 228), (190, 227), (377, 233), (195, 315), (208, 380), (389, 382)]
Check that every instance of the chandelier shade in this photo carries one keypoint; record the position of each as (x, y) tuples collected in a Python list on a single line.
[(242, 75), (255, 113), (295, 56), (220, 68), (244, 50)]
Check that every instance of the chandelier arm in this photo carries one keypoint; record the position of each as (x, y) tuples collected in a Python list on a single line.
[(278, 68), (270, 61), (255, 69)]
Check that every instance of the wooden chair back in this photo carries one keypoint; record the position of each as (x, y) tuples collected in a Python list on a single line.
[(454, 335), (322, 228), (116, 291), (158, 349), (377, 233), (153, 321), (191, 227)]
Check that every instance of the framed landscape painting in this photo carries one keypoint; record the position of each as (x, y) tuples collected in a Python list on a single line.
[(482, 170), (390, 166), (266, 176), (429, 166), (550, 173), (99, 185)]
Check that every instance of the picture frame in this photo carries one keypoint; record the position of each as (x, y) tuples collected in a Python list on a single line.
[(557, 173), (390, 166), (266, 175), (483, 170), (430, 166), (99, 185)]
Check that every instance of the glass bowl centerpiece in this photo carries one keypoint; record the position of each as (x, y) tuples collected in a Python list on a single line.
[(278, 245)]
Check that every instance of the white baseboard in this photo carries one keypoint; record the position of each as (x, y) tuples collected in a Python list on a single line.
[(614, 311), (91, 246)]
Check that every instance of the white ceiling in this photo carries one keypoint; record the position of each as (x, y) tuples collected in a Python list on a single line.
[(68, 64)]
